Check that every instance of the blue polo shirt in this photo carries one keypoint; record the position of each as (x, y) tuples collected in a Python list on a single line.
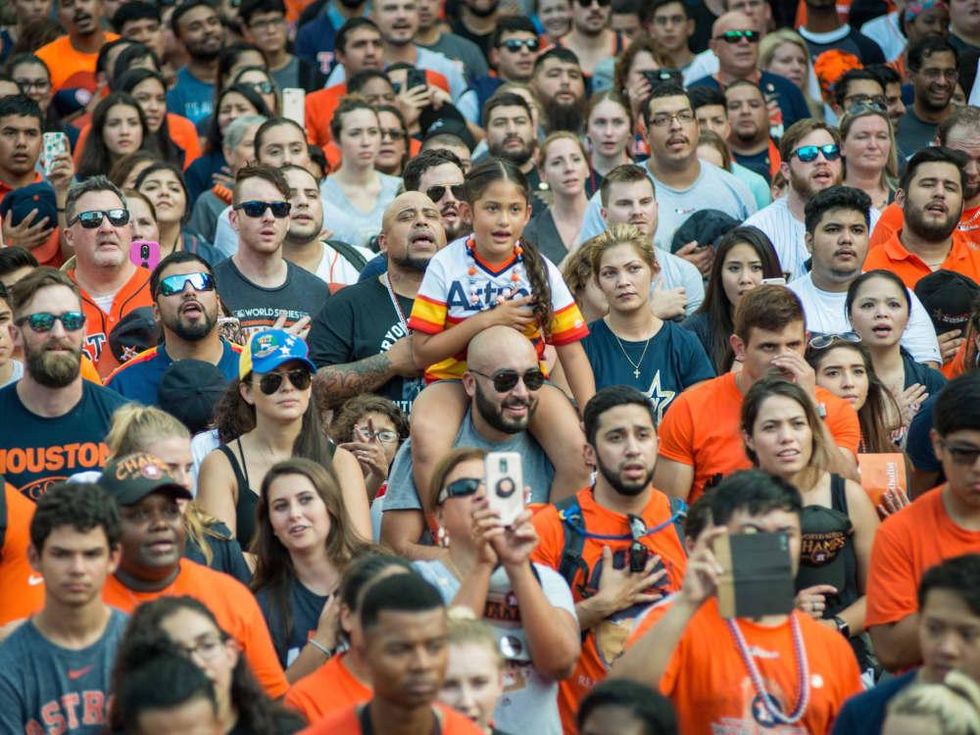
[(139, 378)]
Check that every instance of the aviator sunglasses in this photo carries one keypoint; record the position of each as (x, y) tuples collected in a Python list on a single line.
[(300, 378), (506, 380)]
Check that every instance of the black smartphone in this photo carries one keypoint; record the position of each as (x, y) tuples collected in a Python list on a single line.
[(415, 78), (659, 76)]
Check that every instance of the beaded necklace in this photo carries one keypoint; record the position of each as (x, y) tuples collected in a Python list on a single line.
[(803, 667), (473, 290)]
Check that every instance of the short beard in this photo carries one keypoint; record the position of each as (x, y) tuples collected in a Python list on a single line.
[(570, 118), (296, 238), (482, 12), (194, 332), (915, 221), (518, 158), (412, 263), (205, 56), (629, 489), (51, 370), (454, 233), (494, 415)]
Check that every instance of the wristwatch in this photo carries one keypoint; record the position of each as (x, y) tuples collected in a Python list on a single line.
[(842, 627)]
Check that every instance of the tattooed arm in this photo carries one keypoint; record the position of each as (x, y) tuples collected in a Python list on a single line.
[(334, 384)]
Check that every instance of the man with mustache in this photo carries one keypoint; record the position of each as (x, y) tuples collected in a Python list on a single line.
[(53, 421), (591, 39), (933, 66), (560, 86), (185, 303), (360, 340), (749, 135), (510, 135), (931, 196), (195, 23), (72, 58), (438, 173)]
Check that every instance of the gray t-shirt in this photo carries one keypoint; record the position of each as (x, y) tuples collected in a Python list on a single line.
[(402, 494), (530, 701), (913, 134), (45, 688), (470, 59)]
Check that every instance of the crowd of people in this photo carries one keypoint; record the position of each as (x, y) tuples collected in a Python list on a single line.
[(489, 366)]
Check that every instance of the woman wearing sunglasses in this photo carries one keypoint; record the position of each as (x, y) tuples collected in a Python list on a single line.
[(487, 567), (878, 307), (163, 183), (393, 151), (869, 153), (118, 128), (785, 436), (261, 82), (267, 416)]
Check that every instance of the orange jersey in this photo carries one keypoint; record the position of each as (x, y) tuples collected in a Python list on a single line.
[(319, 108), (604, 643), (134, 294), (70, 68), (233, 605), (891, 255), (709, 684), (329, 689), (182, 133), (702, 429), (892, 220), (348, 722), (21, 588), (915, 538)]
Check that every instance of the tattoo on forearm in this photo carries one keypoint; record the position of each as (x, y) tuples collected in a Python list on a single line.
[(334, 384)]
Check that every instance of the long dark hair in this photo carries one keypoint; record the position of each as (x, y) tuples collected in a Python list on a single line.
[(145, 638), (159, 141), (274, 569), (175, 170), (478, 180), (216, 137), (852, 290), (96, 158), (716, 305)]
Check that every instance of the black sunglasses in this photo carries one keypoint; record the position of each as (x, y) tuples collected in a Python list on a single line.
[(43, 321), (516, 44), (271, 382), (734, 37), (93, 218), (176, 284), (600, 3), (506, 380), (461, 488), (435, 193), (256, 208)]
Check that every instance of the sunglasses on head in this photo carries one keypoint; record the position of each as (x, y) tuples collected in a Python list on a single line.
[(262, 87), (461, 488), (176, 284), (435, 193), (809, 153), (506, 380), (256, 208), (734, 37), (93, 218), (516, 44), (300, 378), (823, 341), (43, 321)]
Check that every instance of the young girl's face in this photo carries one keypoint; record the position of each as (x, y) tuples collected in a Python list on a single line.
[(609, 128), (122, 132), (842, 371), (499, 216), (198, 637), (167, 194), (233, 105), (297, 513), (880, 312), (740, 273), (473, 682), (360, 137)]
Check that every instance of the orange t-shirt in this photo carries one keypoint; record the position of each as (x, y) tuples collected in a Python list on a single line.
[(21, 588), (891, 255), (348, 722), (908, 543), (182, 133), (329, 689), (709, 684), (134, 294), (702, 429), (233, 605), (70, 68), (892, 220), (604, 643)]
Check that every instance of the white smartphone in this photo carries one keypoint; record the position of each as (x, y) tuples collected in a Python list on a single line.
[(54, 145), (294, 105), (505, 484)]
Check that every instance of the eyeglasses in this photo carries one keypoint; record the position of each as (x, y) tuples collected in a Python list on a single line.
[(865, 99), (262, 87), (823, 341), (393, 133), (385, 436), (933, 75), (516, 44), (206, 648), (27, 84), (734, 37), (300, 378), (506, 380), (436, 193), (256, 208), (461, 488), (809, 153), (43, 321), (93, 218), (964, 456), (866, 106), (176, 284), (664, 119), (267, 25)]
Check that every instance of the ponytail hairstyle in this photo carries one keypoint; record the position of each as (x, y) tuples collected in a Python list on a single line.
[(478, 180)]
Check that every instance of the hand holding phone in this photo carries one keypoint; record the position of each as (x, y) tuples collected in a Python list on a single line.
[(505, 485), (54, 145)]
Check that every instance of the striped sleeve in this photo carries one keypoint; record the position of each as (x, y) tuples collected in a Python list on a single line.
[(567, 323), (429, 312)]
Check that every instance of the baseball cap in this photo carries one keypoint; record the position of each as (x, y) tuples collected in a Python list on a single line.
[(190, 389), (948, 297), (271, 348), (137, 331), (131, 478), (447, 119), (23, 201)]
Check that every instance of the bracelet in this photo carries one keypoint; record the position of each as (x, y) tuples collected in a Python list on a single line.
[(59, 209), (322, 648)]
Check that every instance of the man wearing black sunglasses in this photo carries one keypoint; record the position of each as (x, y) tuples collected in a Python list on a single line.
[(99, 231), (439, 175), (513, 51), (591, 39)]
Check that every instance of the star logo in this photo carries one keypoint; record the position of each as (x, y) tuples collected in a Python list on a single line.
[(659, 397), (128, 353)]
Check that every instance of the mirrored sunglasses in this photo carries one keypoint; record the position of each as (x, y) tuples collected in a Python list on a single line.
[(809, 153), (176, 284), (92, 218), (460, 488), (43, 321)]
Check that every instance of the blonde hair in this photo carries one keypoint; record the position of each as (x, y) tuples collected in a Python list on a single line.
[(772, 41), (621, 234), (889, 176), (465, 628), (953, 704)]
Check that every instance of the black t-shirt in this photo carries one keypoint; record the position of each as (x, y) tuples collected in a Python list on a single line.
[(360, 321), (226, 554), (302, 294), (759, 162), (485, 42), (36, 451), (305, 608)]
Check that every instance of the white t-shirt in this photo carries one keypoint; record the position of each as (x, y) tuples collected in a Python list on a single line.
[(884, 31), (335, 268), (15, 375), (825, 314)]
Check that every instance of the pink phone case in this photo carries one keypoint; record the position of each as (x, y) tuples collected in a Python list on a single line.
[(145, 253)]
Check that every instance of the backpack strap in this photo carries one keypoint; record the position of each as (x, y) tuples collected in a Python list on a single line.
[(349, 253), (571, 562), (678, 510), (3, 512)]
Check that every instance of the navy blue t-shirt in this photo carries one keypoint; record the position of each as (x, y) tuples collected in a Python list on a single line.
[(864, 714), (36, 451), (139, 379), (787, 95), (674, 360), (305, 608)]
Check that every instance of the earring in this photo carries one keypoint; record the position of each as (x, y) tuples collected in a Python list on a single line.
[(442, 537)]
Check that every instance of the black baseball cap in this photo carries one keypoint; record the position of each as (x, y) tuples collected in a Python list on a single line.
[(948, 297), (131, 478), (190, 389)]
